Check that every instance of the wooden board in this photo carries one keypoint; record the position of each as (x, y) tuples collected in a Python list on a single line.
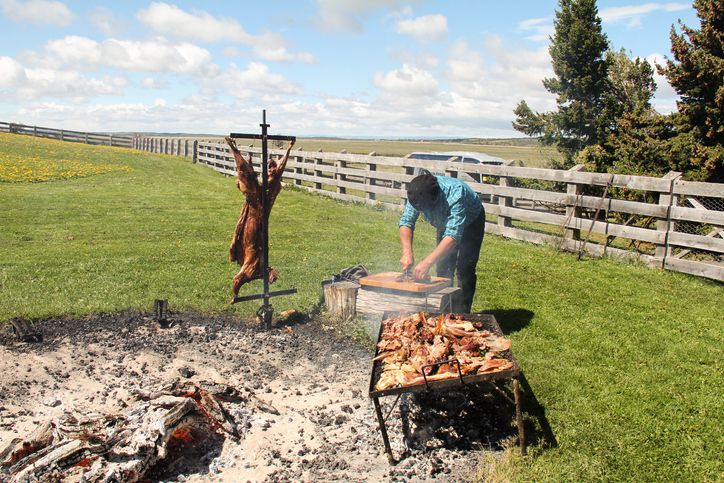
[(388, 280)]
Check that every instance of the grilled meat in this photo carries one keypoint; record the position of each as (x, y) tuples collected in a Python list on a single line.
[(409, 344)]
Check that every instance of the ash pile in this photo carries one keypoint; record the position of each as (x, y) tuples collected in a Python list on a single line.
[(106, 370), (166, 430)]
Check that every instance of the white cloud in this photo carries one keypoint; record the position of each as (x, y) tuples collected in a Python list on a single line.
[(195, 114), (347, 15), (406, 84), (234, 52), (254, 80), (21, 83), (42, 12), (153, 83), (12, 74), (425, 28), (103, 20), (170, 20), (505, 76), (540, 28), (201, 26), (157, 55), (425, 60), (281, 54), (631, 14)]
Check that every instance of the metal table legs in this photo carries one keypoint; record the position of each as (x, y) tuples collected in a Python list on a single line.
[(518, 419), (383, 430)]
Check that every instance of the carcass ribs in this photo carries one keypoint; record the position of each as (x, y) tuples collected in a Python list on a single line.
[(246, 244)]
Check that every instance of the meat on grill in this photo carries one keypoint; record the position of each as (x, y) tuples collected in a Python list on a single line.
[(414, 348), (246, 244)]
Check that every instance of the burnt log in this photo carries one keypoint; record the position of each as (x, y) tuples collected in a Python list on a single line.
[(120, 447)]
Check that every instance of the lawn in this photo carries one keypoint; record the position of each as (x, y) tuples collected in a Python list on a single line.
[(626, 361)]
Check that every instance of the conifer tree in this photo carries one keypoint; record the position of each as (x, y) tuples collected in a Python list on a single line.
[(697, 74), (577, 50)]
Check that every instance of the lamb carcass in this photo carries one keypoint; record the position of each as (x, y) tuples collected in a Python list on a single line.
[(246, 244)]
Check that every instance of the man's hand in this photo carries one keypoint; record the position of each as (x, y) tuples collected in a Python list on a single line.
[(422, 270), (406, 261)]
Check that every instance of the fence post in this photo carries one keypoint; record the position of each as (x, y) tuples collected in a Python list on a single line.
[(505, 201), (339, 164), (35, 130), (299, 169), (62, 135), (371, 168), (409, 171), (664, 225), (196, 152), (450, 170), (317, 173), (110, 139), (573, 210)]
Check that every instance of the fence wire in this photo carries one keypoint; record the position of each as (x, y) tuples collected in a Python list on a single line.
[(701, 229)]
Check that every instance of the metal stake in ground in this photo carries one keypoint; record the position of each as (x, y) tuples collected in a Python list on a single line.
[(266, 310)]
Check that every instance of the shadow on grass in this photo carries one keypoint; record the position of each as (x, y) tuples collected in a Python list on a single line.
[(538, 431), (511, 320), (540, 434)]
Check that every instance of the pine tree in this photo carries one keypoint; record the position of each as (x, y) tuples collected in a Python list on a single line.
[(577, 50), (697, 74)]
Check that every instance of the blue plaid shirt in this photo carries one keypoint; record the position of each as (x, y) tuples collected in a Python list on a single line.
[(458, 207)]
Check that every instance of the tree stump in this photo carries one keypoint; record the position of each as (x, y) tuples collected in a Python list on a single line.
[(340, 298)]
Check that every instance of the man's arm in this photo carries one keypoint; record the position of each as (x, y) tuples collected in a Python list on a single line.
[(422, 269), (408, 258)]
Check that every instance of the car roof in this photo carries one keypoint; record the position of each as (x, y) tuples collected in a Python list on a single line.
[(482, 157)]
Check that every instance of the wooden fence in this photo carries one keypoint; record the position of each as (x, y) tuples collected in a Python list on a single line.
[(679, 227), (67, 135), (174, 146)]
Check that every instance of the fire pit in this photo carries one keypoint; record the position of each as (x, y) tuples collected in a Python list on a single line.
[(508, 370)]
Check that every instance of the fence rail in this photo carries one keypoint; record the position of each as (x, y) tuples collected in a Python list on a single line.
[(68, 135), (671, 223)]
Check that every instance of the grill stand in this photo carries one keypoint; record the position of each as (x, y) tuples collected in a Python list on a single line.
[(266, 311), (518, 419)]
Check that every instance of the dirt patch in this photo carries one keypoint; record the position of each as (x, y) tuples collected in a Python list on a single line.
[(318, 381)]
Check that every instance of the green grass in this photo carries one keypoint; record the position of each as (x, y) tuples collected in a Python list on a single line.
[(527, 151), (626, 361)]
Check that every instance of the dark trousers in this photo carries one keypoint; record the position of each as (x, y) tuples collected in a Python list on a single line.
[(464, 259)]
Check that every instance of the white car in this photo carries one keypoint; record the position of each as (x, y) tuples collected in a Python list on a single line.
[(461, 156)]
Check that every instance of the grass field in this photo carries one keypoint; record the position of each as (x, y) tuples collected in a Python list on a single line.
[(626, 361), (534, 156), (525, 151)]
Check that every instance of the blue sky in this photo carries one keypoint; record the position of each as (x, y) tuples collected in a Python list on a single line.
[(380, 68)]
